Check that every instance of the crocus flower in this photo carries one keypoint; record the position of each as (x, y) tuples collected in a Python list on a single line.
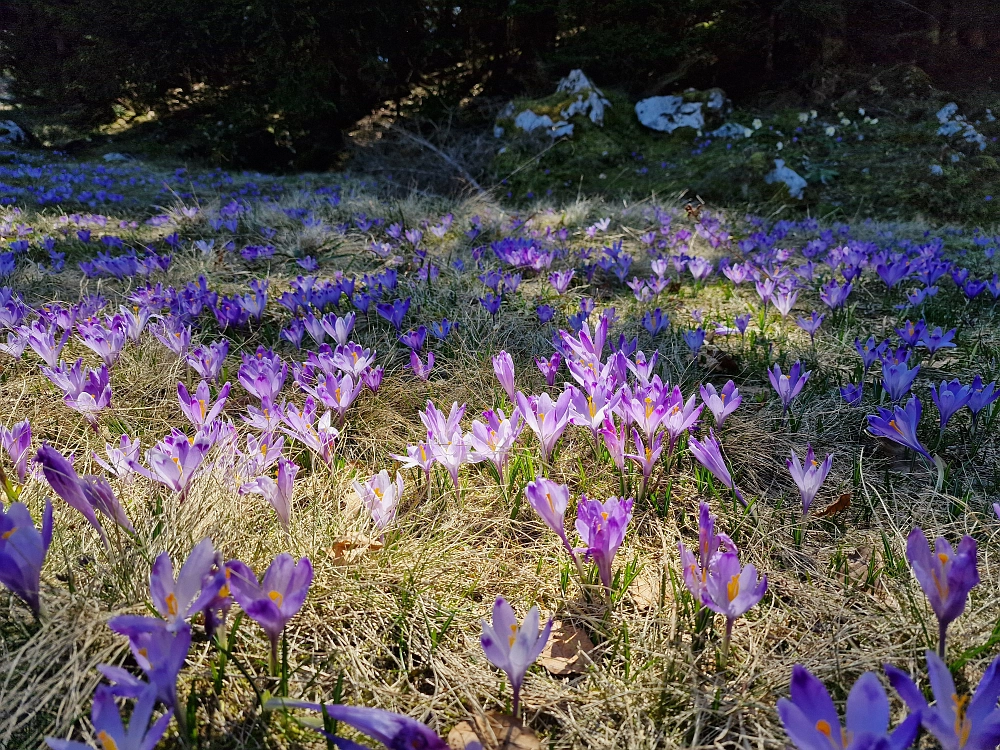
[(958, 722), (158, 651), (317, 434), (645, 456), (694, 339), (66, 483), (549, 367), (391, 729), (276, 599), (199, 408), (174, 335), (710, 546), (731, 590), (721, 403), (601, 527), (177, 600), (208, 360), (708, 453), (23, 550), (372, 378), (513, 647), (174, 461), (417, 457), (811, 325), (16, 441), (680, 415), (788, 386), (263, 375), (852, 393), (111, 732), (414, 340), (900, 426), (560, 280), (949, 398), (493, 440), (546, 418), (93, 397), (936, 339), (277, 491), (870, 352), (503, 367), (380, 496), (615, 440), (811, 720), (946, 576), (121, 460), (897, 380), (394, 311), (42, 339), (810, 477), (339, 328), (550, 500), (420, 369), (981, 396)]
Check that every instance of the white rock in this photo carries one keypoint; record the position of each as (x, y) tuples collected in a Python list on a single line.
[(497, 131), (667, 113), (576, 82), (590, 100), (561, 128), (792, 179), (731, 130), (10, 132), (946, 112), (115, 156), (528, 121)]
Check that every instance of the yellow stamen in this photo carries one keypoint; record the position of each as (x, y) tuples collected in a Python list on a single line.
[(201, 402), (8, 534), (963, 726), (172, 605), (276, 597), (823, 727), (107, 741), (733, 587)]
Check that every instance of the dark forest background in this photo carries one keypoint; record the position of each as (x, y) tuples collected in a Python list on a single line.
[(272, 81)]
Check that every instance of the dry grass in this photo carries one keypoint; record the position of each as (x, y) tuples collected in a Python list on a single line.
[(401, 623)]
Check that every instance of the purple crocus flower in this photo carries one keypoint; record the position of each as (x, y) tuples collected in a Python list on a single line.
[(158, 651), (174, 461), (708, 453), (23, 550), (811, 720), (93, 396), (958, 722), (869, 351), (174, 335), (811, 325), (207, 360), (949, 398), (493, 440), (946, 576), (646, 456), (339, 328), (783, 300), (263, 375), (16, 441), (420, 369), (981, 396), (550, 500), (911, 332), (731, 590), (788, 386), (276, 599), (560, 280), (42, 339), (852, 393), (199, 409), (694, 339), (602, 527), (721, 403), (277, 491), (834, 295), (317, 434), (394, 311), (380, 495), (414, 339), (177, 600), (511, 646), (900, 426), (897, 379), (391, 729), (546, 418), (936, 339), (372, 378), (656, 321), (549, 367), (545, 313), (66, 483), (710, 546), (810, 477), (111, 732)]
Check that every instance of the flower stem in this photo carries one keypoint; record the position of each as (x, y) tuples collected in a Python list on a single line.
[(273, 664), (942, 632), (725, 641)]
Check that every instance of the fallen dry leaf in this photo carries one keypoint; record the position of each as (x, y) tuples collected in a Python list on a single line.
[(351, 548), (646, 588), (494, 732), (566, 650), (841, 503)]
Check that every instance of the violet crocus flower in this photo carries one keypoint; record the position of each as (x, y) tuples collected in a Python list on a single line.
[(646, 456), (372, 378), (394, 311), (513, 646), (834, 295), (810, 476), (42, 339), (380, 496), (199, 409), (721, 403), (911, 332), (66, 483), (317, 434), (560, 280), (22, 552), (708, 453), (710, 546), (694, 339), (981, 396), (731, 590), (949, 398), (263, 375), (549, 367), (958, 722), (276, 599), (546, 418), (900, 426), (897, 380), (936, 339), (94, 395), (493, 440), (679, 415), (414, 339), (16, 441), (852, 393), (174, 461), (811, 721), (277, 491), (550, 500), (159, 652), (788, 386), (870, 352), (946, 576), (174, 335), (811, 325), (111, 733), (420, 369), (339, 328), (503, 368), (177, 600), (602, 527), (207, 360), (391, 729), (783, 300)]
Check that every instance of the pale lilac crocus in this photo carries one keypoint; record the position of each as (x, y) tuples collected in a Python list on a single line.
[(549, 367), (22, 552), (174, 335), (200, 408), (645, 456), (602, 527), (694, 568), (615, 440), (339, 328), (493, 440), (178, 599), (946, 576), (546, 418), (503, 367), (788, 386), (810, 476), (121, 460), (590, 410), (42, 340), (549, 500), (277, 491), (380, 496), (721, 403), (680, 415), (708, 452), (94, 396), (276, 599), (16, 441), (513, 647), (317, 434), (174, 461), (731, 590), (421, 370), (110, 729)]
